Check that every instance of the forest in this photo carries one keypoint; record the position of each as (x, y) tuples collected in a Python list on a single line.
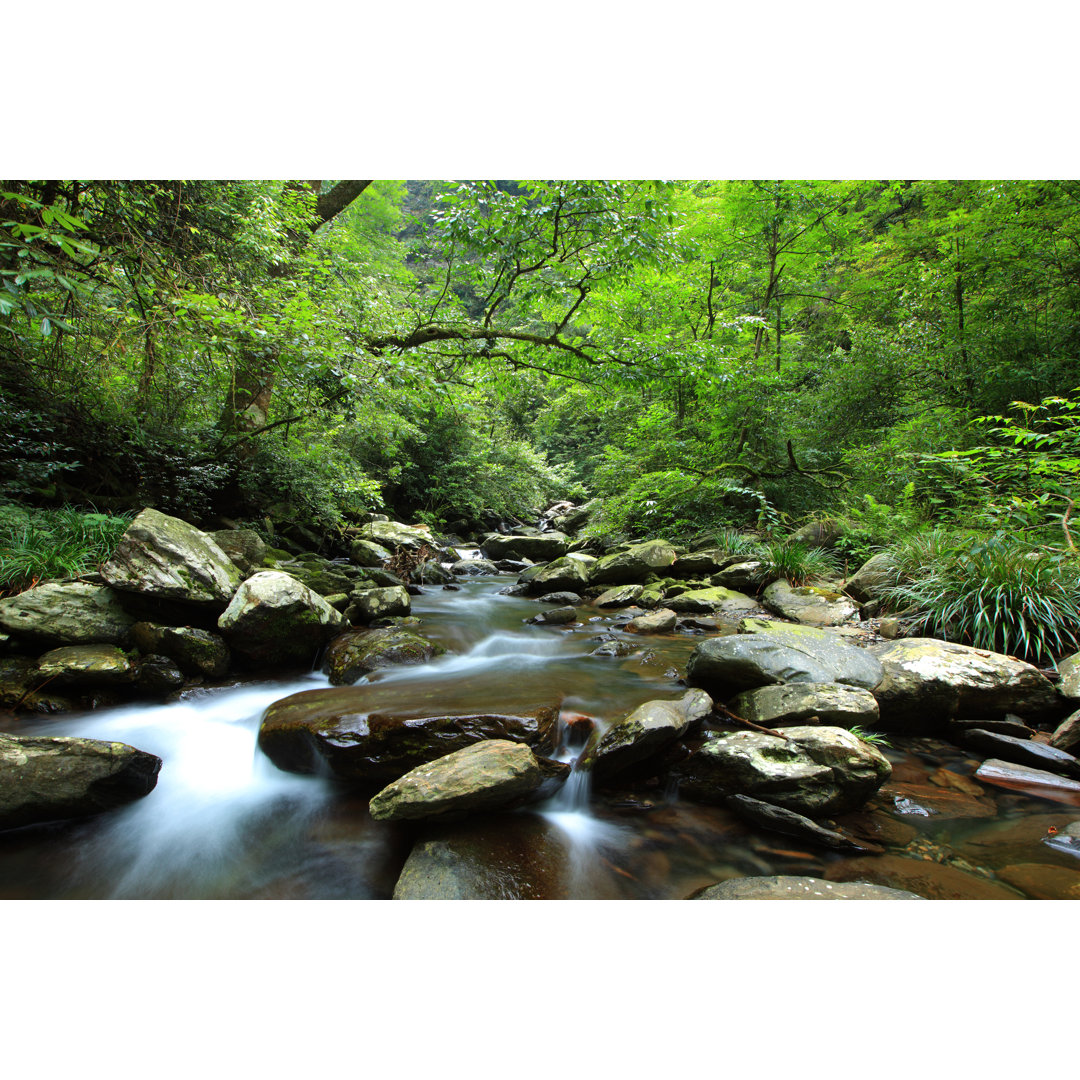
[(894, 362)]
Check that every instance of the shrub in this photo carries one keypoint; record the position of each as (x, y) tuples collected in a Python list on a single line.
[(795, 562), (998, 595)]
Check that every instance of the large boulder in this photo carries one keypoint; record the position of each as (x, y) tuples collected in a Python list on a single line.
[(86, 665), (648, 729), (490, 775), (351, 733), (696, 564), (542, 548), (804, 703), (245, 547), (560, 574), (620, 596), (1069, 669), (633, 565), (394, 534), (1066, 735), (789, 887), (371, 604), (275, 618), (816, 771), (67, 614), (810, 605), (49, 779), (875, 575), (164, 558), (198, 652), (473, 567), (662, 621), (714, 601), (926, 682), (368, 553), (779, 653), (351, 656)]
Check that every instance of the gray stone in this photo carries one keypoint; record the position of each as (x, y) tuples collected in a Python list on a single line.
[(351, 656), (368, 553), (1024, 752), (159, 675), (86, 665), (633, 565), (872, 578), (789, 887), (559, 616), (620, 596), (1066, 735), (796, 703), (715, 600), (394, 534), (1069, 669), (245, 547), (742, 576), (781, 820), (559, 599), (563, 573), (473, 567), (1038, 782), (810, 605), (165, 558), (648, 729), (817, 771), (542, 548), (50, 779), (275, 618), (658, 622), (372, 604), (703, 563), (67, 614), (198, 652)]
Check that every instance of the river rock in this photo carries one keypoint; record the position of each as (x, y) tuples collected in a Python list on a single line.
[(633, 565), (1069, 670), (714, 601), (810, 605), (927, 682), (928, 801), (198, 652), (49, 779), (394, 534), (245, 547), (542, 548), (275, 618), (620, 596), (560, 616), (1066, 735), (559, 599), (803, 703), (490, 775), (657, 622), (742, 576), (1038, 783), (704, 563), (781, 820), (1006, 725), (789, 887), (74, 613), (774, 653), (164, 558), (371, 604), (368, 553), (337, 732), (352, 655), (647, 730), (564, 573), (86, 665), (817, 771), (1023, 752), (159, 675), (473, 567), (1041, 882), (875, 575)]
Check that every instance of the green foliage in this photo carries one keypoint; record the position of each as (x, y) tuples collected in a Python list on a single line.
[(795, 562), (874, 738), (41, 545), (1000, 595)]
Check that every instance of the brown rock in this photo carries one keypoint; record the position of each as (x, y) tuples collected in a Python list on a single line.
[(925, 800), (1041, 882), (932, 880), (947, 779)]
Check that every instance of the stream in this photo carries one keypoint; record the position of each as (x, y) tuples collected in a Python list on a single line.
[(225, 823)]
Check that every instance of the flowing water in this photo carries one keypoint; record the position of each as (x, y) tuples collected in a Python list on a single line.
[(223, 822)]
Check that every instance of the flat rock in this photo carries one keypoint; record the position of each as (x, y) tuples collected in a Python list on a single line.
[(931, 880), (542, 548), (490, 775), (1066, 735), (715, 600), (1041, 882), (165, 558), (810, 605), (802, 703), (86, 665), (395, 534), (245, 547), (560, 599), (620, 596), (74, 613), (789, 887), (368, 553), (473, 568), (1023, 752), (919, 801), (743, 576), (50, 779), (1038, 783), (633, 565), (781, 820), (559, 616), (661, 621)]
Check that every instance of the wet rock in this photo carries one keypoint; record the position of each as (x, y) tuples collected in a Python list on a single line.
[(375, 577), (927, 682), (275, 618), (371, 604), (490, 775), (473, 567), (658, 622), (560, 599), (559, 616), (1037, 783), (617, 647), (817, 771), (810, 605), (800, 888), (1066, 735), (946, 778), (67, 614), (86, 665), (781, 820), (713, 601), (1041, 882), (647, 730), (159, 675), (876, 825), (804, 703), (164, 558), (772, 653), (432, 572), (49, 779), (394, 534), (633, 565), (872, 578), (337, 732), (353, 655), (541, 548), (1023, 752), (579, 728), (1006, 725), (368, 553), (1018, 840), (918, 801), (932, 880), (198, 652), (620, 596), (562, 574), (245, 547)]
